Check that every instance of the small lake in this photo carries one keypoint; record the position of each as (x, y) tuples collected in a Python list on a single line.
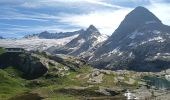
[(159, 83)]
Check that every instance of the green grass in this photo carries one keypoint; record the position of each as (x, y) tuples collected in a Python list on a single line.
[(61, 97), (10, 83), (55, 88), (84, 69), (2, 50), (108, 80), (52, 85)]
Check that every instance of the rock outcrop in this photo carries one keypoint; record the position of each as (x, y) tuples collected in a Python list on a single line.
[(31, 66)]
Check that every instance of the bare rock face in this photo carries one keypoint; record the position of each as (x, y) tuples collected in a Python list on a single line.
[(31, 66)]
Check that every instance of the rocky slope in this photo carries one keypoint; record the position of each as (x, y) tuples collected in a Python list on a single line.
[(141, 42), (36, 64), (30, 65), (61, 71), (83, 43), (70, 78)]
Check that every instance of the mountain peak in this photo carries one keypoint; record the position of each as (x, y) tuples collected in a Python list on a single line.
[(44, 32), (141, 15), (140, 8), (90, 32), (137, 18), (92, 28)]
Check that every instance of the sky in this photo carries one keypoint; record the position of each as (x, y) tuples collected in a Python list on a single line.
[(22, 17)]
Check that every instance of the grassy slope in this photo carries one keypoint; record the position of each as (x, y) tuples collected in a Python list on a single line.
[(52, 86), (11, 83), (2, 50)]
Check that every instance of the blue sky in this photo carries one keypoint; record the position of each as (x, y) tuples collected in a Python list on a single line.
[(22, 17)]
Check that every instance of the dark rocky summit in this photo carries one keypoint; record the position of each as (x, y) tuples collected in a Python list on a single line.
[(141, 42)]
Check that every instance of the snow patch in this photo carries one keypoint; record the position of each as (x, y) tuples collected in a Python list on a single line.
[(167, 77), (158, 39), (150, 22), (132, 44), (162, 55), (102, 38), (115, 51), (156, 32), (81, 41), (130, 54), (135, 34)]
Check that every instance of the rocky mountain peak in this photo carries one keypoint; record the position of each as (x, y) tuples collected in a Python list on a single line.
[(137, 18), (90, 32), (139, 41), (92, 28), (86, 41), (44, 32), (142, 14)]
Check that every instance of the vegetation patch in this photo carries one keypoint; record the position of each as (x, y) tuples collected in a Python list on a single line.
[(11, 84)]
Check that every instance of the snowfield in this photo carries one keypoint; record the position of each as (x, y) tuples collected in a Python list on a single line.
[(35, 43)]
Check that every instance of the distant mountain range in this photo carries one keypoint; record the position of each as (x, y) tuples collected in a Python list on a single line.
[(1, 37), (48, 35)]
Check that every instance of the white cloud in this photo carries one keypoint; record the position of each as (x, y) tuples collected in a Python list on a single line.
[(103, 3), (32, 16), (161, 10), (104, 16), (106, 21), (57, 3)]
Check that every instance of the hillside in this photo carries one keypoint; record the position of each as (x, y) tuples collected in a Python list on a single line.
[(66, 78), (60, 72)]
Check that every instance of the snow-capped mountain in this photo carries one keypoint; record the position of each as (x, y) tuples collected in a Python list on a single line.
[(140, 40), (48, 35), (41, 41), (83, 43), (35, 43)]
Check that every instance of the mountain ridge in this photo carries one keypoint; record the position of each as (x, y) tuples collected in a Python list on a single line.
[(123, 48), (85, 41), (48, 35)]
